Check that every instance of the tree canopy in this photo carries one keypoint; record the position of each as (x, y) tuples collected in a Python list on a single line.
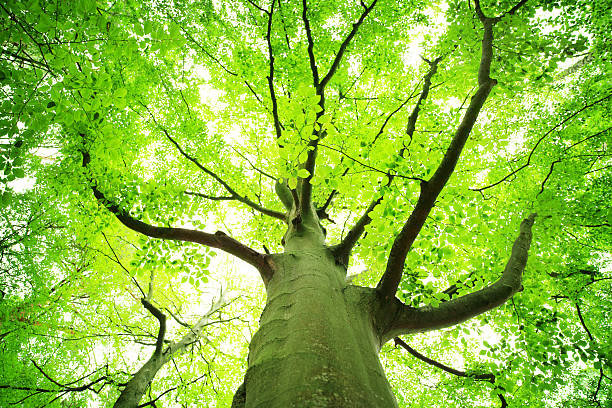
[(144, 146)]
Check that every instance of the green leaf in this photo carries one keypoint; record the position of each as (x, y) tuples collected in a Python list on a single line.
[(292, 182), (148, 27), (303, 173), (120, 103)]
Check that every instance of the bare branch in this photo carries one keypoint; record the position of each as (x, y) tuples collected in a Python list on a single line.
[(154, 400), (367, 166), (601, 132), (118, 262), (190, 37), (389, 116), (209, 197), (141, 380), (485, 376), (588, 332), (584, 326), (552, 166), (66, 387), (235, 195), (489, 377), (514, 9), (252, 3), (257, 169)]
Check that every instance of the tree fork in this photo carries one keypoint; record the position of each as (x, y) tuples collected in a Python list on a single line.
[(410, 320)]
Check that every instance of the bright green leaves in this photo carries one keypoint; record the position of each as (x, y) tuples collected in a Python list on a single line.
[(172, 263), (159, 37), (130, 84), (303, 173), (12, 165), (120, 93), (148, 27), (45, 24), (119, 98), (299, 111)]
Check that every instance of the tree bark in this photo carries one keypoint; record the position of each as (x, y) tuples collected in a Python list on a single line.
[(134, 390), (319, 338), (410, 320), (317, 345)]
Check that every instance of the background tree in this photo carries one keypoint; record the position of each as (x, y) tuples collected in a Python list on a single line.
[(309, 140)]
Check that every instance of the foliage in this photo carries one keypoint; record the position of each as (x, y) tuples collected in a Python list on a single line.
[(188, 122)]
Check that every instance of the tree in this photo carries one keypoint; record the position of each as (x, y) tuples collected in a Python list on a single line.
[(378, 194)]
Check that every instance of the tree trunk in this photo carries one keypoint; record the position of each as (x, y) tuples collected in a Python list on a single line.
[(134, 390), (317, 345)]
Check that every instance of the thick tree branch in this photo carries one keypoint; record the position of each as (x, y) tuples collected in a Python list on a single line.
[(412, 120), (411, 320), (194, 331), (218, 240), (342, 251), (135, 388), (305, 195), (284, 193), (311, 57), (277, 124), (161, 335), (430, 190), (344, 46)]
